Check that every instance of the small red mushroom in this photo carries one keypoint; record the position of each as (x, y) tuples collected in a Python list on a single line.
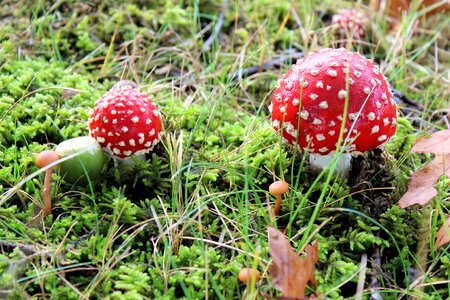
[(350, 22), (125, 122), (308, 103)]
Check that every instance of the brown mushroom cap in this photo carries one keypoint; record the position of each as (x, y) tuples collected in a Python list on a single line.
[(279, 187), (46, 157)]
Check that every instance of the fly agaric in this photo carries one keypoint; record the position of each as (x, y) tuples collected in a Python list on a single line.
[(350, 22), (308, 103), (125, 122)]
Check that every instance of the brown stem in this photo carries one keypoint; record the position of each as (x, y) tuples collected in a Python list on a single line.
[(47, 197), (277, 205)]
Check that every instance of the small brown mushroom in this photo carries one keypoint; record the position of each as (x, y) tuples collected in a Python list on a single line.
[(45, 158), (247, 274), (278, 188)]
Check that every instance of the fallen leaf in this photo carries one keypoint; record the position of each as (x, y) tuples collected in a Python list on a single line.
[(397, 8), (443, 234), (421, 184), (290, 273)]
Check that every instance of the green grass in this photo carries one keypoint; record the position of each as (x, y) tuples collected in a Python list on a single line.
[(182, 223)]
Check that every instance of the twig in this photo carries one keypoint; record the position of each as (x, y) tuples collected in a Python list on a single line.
[(375, 283), (28, 250), (216, 31), (271, 64), (400, 97)]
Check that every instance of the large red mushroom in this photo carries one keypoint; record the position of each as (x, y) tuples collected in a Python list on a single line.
[(308, 103), (125, 122)]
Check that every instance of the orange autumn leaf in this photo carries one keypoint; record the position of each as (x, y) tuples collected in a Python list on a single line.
[(290, 273), (443, 235), (421, 185), (396, 8)]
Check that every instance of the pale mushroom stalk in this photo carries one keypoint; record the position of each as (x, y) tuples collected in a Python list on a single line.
[(321, 162)]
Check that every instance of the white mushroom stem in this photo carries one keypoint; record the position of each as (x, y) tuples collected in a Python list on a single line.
[(321, 162), (127, 163)]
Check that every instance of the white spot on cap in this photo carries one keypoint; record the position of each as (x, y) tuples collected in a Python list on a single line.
[(334, 64), (386, 121), (276, 124), (100, 139), (320, 137), (332, 123), (352, 116), (142, 109), (394, 122), (378, 104), (314, 72), (366, 90), (116, 151), (121, 144), (291, 130), (110, 134), (317, 121), (124, 129), (319, 84), (278, 97), (376, 71), (135, 119), (148, 121), (328, 87), (156, 113), (313, 96), (357, 73), (331, 132), (152, 132), (371, 116), (304, 83), (342, 94), (141, 138), (127, 152), (304, 114), (283, 109), (332, 73), (113, 112), (114, 121), (323, 149), (295, 102), (289, 86), (132, 142), (373, 82), (359, 67), (382, 138), (323, 105), (375, 129)]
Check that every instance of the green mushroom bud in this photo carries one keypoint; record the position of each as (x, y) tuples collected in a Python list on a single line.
[(88, 159)]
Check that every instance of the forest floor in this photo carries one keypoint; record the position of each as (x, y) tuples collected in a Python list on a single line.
[(185, 220)]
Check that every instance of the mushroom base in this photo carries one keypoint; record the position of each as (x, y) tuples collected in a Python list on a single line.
[(320, 162)]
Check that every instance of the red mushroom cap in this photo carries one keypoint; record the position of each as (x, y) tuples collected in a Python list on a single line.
[(308, 104), (350, 21), (125, 122)]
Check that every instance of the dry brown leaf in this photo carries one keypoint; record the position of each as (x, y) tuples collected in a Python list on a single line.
[(421, 184), (291, 273), (443, 234), (396, 8)]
